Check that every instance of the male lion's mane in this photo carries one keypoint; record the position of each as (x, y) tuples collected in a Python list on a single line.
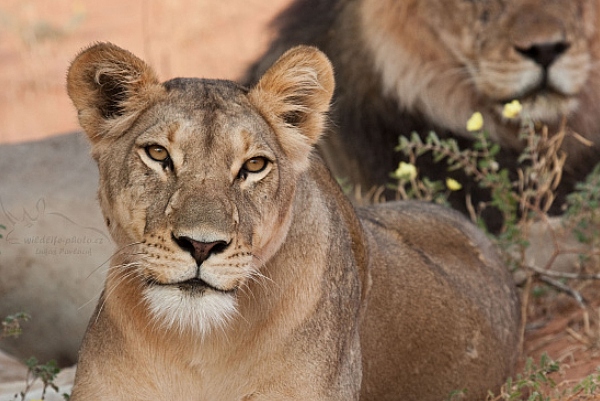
[(369, 115)]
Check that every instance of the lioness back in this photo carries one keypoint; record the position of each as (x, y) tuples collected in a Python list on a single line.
[(242, 272), (447, 318)]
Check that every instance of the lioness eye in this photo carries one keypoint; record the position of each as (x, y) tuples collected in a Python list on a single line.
[(255, 165), (157, 153)]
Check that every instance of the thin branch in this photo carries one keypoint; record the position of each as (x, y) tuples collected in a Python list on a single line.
[(563, 275), (566, 289)]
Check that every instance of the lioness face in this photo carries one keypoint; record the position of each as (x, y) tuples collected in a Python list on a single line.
[(196, 214), (479, 55), (196, 176)]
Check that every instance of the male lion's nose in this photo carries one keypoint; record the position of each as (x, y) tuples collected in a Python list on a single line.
[(544, 54), (199, 250)]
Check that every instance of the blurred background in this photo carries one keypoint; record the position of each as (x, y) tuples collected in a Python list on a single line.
[(39, 38)]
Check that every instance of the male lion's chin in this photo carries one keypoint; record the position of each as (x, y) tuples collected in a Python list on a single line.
[(545, 108), (198, 311)]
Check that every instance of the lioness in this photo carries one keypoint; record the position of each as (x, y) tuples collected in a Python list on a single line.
[(243, 273), (422, 65)]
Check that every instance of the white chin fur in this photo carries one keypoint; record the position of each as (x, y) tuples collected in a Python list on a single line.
[(547, 109), (174, 309)]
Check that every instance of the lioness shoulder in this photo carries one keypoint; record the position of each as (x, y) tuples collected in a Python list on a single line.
[(242, 271)]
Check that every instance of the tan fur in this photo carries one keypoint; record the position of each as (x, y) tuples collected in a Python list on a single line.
[(303, 298), (419, 65), (472, 62)]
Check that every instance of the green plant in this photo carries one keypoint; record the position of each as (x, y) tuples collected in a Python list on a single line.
[(522, 201), (537, 383), (45, 372), (532, 192), (583, 208), (11, 325), (410, 186), (533, 382)]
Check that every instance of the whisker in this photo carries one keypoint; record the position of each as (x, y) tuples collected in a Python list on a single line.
[(128, 277), (115, 253)]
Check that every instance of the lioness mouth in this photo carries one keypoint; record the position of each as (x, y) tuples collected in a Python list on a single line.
[(195, 286)]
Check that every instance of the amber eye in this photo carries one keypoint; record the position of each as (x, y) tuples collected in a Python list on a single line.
[(157, 153), (255, 165)]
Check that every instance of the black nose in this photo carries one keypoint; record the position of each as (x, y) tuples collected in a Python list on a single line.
[(200, 251), (544, 54)]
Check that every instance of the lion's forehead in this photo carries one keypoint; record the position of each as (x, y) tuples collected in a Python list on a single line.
[(522, 16), (502, 8), (469, 15), (206, 121), (205, 93)]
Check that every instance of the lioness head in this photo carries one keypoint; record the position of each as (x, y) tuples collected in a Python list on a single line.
[(196, 176), (448, 59)]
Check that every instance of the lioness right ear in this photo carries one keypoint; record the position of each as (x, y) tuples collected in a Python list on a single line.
[(109, 86), (293, 96)]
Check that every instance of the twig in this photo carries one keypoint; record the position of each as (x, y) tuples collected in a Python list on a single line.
[(564, 275), (565, 288), (577, 336), (524, 305)]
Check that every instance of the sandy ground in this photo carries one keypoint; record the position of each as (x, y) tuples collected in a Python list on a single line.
[(216, 39)]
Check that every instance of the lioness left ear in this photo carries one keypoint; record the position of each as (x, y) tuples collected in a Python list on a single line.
[(109, 86), (294, 95)]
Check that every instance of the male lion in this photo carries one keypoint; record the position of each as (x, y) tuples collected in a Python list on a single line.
[(243, 273), (422, 65)]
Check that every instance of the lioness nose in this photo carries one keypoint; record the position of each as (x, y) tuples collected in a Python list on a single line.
[(200, 251), (544, 54)]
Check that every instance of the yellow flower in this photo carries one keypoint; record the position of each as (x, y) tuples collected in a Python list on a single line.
[(512, 109), (453, 185), (406, 171), (475, 123)]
